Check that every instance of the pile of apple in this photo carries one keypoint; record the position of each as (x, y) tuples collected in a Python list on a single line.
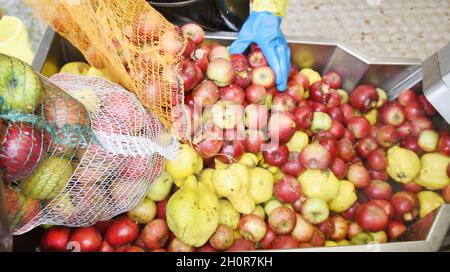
[(346, 167)]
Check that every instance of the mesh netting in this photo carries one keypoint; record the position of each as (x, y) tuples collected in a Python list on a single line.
[(81, 150), (129, 41)]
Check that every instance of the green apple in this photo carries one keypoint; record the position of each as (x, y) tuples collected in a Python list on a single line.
[(46, 182), (226, 114), (161, 187), (271, 205), (298, 141), (144, 212), (20, 86), (321, 121)]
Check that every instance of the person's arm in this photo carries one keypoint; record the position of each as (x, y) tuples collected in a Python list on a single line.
[(263, 28)]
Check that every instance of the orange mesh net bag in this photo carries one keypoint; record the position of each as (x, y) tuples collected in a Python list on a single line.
[(129, 41), (74, 150)]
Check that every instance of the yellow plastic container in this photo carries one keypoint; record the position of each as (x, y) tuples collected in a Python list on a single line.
[(14, 39)]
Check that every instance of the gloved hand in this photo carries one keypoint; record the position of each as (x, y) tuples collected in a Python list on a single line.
[(263, 28)]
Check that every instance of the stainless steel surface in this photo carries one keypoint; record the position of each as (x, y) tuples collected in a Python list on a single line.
[(324, 55), (436, 82)]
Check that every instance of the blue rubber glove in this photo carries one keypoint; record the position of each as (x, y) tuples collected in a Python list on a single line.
[(263, 28)]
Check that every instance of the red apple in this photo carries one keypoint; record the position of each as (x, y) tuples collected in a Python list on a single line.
[(419, 124), (429, 109), (326, 227), (176, 245), (303, 117), (315, 156), (295, 90), (256, 94), (315, 210), (444, 144), (268, 238), (395, 229), (243, 73), (413, 110), (380, 175), (358, 175), (146, 26), (411, 144), (378, 189), (349, 136), (287, 189), (206, 248), (294, 166), (283, 102), (340, 228), (239, 58), (231, 151), (276, 154), (221, 72), (171, 42), (161, 209), (377, 160), (200, 57), (386, 206), (282, 220), (233, 93), (194, 32), (218, 51), (188, 73), (404, 131), (155, 234), (364, 98), (339, 168), (284, 242), (392, 114), (256, 58), (349, 214), (55, 239), (320, 92), (317, 107), (331, 145), (446, 192), (387, 136), (253, 140), (281, 126), (302, 79), (371, 217), (359, 126), (121, 231), (252, 227), (206, 94), (345, 150), (189, 49), (332, 79), (337, 129), (353, 230), (412, 187), (263, 76), (223, 237), (336, 114), (407, 96), (318, 238), (334, 100), (88, 238), (210, 145), (303, 231), (242, 245), (365, 146), (406, 206)]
